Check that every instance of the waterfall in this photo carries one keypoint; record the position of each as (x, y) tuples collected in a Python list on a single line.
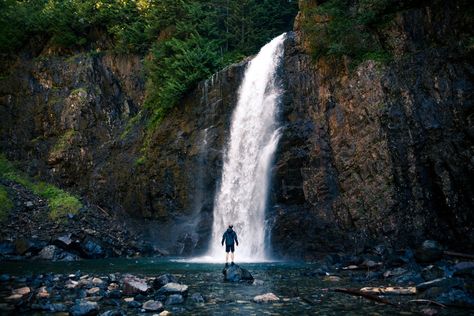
[(254, 134)]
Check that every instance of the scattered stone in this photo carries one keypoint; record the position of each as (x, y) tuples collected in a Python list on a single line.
[(332, 278), (456, 297), (152, 306), (93, 291), (98, 281), (84, 307), (173, 288), (465, 268), (133, 285), (48, 253), (429, 251), (164, 313), (71, 284), (113, 313), (112, 286), (441, 282), (266, 298), (257, 282), (14, 297), (164, 279), (23, 291), (197, 298), (128, 299), (42, 292), (234, 273), (174, 299)]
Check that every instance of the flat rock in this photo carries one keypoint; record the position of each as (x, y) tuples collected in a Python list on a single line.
[(152, 306), (266, 298), (174, 299), (394, 290), (173, 288), (164, 279), (234, 273), (93, 291), (22, 291), (133, 285), (84, 307)]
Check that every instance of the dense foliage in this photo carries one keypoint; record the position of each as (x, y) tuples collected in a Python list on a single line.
[(185, 40)]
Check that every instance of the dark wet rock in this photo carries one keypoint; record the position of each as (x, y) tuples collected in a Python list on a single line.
[(266, 298), (152, 306), (456, 297), (134, 285), (409, 278), (173, 288), (197, 298), (441, 282), (50, 307), (114, 294), (234, 273), (464, 269), (116, 312), (432, 272), (92, 249), (134, 304), (164, 279), (53, 253), (7, 248), (140, 297), (429, 251), (394, 272), (174, 299), (4, 277), (84, 308)]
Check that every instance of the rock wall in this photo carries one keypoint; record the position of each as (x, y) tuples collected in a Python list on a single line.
[(382, 153)]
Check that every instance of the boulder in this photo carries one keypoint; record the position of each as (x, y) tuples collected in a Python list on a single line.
[(266, 298), (92, 249), (173, 288), (152, 306), (174, 299), (197, 298), (84, 308), (429, 251), (164, 279), (234, 273), (134, 285), (49, 253)]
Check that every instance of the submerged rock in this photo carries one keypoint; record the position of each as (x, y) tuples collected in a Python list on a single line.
[(234, 273), (164, 279), (84, 307), (152, 306), (266, 298), (173, 288)]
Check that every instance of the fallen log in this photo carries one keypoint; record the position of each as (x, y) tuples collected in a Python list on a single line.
[(409, 290), (459, 255), (427, 302), (368, 296)]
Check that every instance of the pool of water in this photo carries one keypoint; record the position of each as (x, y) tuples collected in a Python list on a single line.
[(299, 292)]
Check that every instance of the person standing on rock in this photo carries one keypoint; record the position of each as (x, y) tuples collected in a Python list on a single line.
[(229, 237)]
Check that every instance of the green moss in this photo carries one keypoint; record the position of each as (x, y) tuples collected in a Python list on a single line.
[(6, 203), (140, 161), (63, 141), (60, 202), (130, 124)]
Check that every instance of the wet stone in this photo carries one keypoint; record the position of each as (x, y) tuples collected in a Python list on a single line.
[(84, 307), (133, 285), (197, 298), (266, 298), (152, 306), (164, 279), (174, 299), (173, 288)]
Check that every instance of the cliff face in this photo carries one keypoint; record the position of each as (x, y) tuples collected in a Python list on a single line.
[(382, 153), (70, 119)]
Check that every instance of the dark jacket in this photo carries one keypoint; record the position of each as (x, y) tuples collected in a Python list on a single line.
[(229, 237)]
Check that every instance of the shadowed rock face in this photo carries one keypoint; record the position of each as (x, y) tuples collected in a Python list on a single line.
[(382, 153)]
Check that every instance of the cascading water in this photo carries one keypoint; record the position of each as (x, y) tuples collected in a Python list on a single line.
[(254, 136)]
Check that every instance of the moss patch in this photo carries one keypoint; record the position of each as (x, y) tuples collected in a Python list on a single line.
[(63, 141), (60, 202)]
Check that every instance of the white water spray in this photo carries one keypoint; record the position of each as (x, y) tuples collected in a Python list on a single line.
[(254, 136)]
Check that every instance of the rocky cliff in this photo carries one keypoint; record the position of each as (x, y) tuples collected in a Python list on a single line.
[(382, 153)]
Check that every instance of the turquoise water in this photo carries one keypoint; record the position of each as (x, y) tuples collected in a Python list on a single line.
[(299, 293)]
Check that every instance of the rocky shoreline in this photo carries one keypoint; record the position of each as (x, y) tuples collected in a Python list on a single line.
[(424, 281), (94, 233)]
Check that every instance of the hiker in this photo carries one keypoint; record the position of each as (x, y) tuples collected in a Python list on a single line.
[(229, 237)]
